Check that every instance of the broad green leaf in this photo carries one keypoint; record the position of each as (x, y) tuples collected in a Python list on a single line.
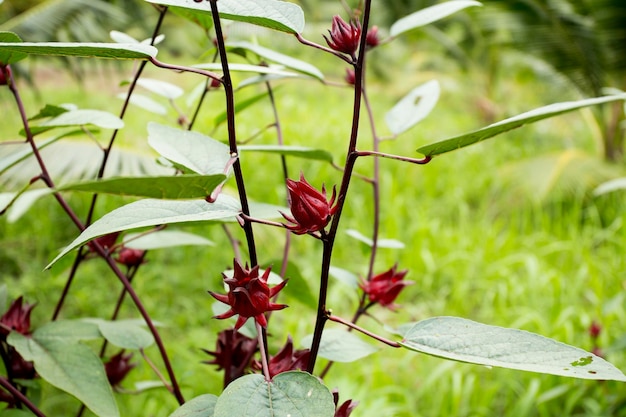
[(413, 107), (69, 366), (79, 117), (201, 406), (165, 187), (429, 15), (24, 202), (49, 110), (144, 102), (151, 212), (468, 341), (610, 186), (298, 151), (162, 88), (273, 14), (344, 276), (200, 18), (87, 50), (286, 60), (341, 346), (126, 334), (382, 243), (294, 394), (164, 239), (7, 57), (240, 105), (199, 153), (505, 125), (68, 331)]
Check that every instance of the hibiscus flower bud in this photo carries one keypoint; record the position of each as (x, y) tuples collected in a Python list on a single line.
[(310, 209), (371, 39), (384, 288), (106, 241), (344, 36), (249, 295), (5, 74), (345, 409), (350, 76), (233, 353), (16, 318), (131, 257), (118, 367), (595, 329), (286, 360)]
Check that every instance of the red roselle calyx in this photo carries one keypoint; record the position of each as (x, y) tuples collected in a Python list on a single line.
[(345, 409), (384, 288), (350, 76), (5, 74), (249, 295), (286, 360), (371, 39), (233, 353), (344, 36), (130, 257), (118, 367), (310, 209), (16, 318)]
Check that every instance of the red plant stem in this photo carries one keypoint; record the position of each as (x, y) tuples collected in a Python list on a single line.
[(261, 336), (351, 325), (133, 295), (20, 397), (351, 157), (303, 41), (418, 161), (232, 136)]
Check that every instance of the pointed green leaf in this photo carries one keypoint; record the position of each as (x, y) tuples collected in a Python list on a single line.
[(298, 151), (165, 187), (468, 341), (505, 125), (429, 15), (87, 50), (294, 394), (201, 406), (162, 88), (164, 239), (68, 331), (286, 60), (127, 334), (273, 14), (199, 153), (151, 212), (8, 57), (69, 366), (341, 346), (382, 243), (121, 37), (413, 107), (615, 184), (49, 110), (79, 117)]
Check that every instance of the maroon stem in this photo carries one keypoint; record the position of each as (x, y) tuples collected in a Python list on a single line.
[(20, 397), (353, 326)]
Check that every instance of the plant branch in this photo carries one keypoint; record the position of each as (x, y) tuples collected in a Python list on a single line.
[(351, 325), (20, 397)]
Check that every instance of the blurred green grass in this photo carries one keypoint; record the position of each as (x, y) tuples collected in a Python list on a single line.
[(473, 250)]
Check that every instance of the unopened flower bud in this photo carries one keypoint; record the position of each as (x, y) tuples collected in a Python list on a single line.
[(286, 360), (16, 318), (371, 39), (384, 288), (595, 329), (310, 209), (350, 76), (118, 367), (131, 257), (344, 36)]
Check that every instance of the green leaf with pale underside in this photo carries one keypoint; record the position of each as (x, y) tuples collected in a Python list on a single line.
[(532, 116), (468, 341), (274, 14), (164, 187), (429, 15), (80, 49), (297, 151)]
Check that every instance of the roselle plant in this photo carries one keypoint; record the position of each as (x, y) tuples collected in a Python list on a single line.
[(196, 186)]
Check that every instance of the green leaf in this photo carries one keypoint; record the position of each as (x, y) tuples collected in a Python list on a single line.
[(341, 346), (49, 110), (4, 297), (14, 412), (202, 19), (294, 394), (273, 14), (413, 107), (610, 186), (286, 60), (429, 15), (344, 276), (7, 57), (24, 202), (297, 151), (382, 243), (240, 105), (162, 88), (126, 334), (79, 117), (68, 330), (164, 239), (467, 341), (199, 153), (86, 50), (151, 212), (505, 125), (201, 406), (166, 187), (69, 366)]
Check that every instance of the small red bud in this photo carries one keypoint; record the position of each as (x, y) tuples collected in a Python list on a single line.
[(130, 257), (5, 74), (310, 209), (371, 39), (350, 76), (595, 329)]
